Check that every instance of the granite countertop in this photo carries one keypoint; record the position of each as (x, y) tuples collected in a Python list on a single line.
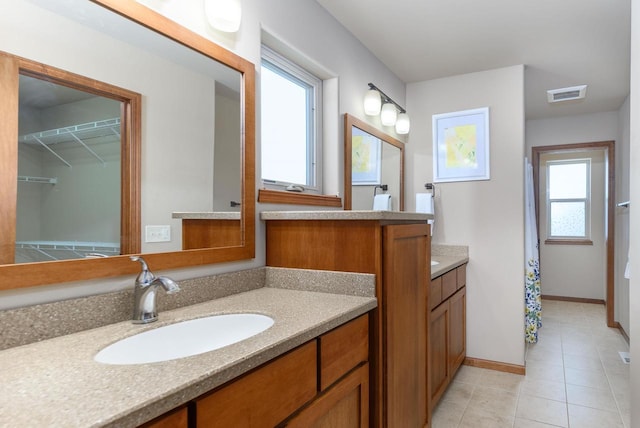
[(207, 215), (344, 215), (446, 263), (448, 257), (56, 382)]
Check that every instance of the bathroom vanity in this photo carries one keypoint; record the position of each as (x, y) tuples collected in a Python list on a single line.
[(311, 363), (447, 329), (395, 246)]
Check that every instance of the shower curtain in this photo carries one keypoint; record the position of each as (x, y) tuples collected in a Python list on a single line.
[(533, 302)]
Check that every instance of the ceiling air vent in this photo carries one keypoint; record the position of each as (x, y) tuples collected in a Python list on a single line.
[(566, 94)]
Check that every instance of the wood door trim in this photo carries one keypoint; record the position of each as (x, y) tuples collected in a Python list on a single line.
[(609, 147)]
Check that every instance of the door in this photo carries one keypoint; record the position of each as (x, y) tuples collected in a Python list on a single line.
[(572, 224)]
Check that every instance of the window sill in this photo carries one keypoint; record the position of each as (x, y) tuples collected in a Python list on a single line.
[(568, 242), (267, 196)]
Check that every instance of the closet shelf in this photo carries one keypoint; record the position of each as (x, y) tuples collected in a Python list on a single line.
[(52, 250), (43, 180), (79, 134)]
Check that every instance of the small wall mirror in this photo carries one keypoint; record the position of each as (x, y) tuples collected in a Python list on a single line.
[(373, 161), (176, 114)]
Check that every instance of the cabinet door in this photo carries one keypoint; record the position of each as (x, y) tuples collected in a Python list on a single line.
[(264, 397), (344, 405), (176, 418), (439, 372), (457, 329), (405, 255)]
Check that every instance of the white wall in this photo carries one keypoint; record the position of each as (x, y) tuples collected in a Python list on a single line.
[(634, 220), (307, 28), (622, 233), (487, 216)]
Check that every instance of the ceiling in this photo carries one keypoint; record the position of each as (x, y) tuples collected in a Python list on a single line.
[(561, 43)]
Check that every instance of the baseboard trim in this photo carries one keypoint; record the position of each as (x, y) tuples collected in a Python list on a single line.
[(573, 299), (494, 365), (622, 332)]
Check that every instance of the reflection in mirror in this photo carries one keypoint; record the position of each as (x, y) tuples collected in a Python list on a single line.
[(196, 135), (372, 159), (68, 173)]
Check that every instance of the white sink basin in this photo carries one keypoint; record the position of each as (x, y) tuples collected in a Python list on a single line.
[(184, 339), (433, 263)]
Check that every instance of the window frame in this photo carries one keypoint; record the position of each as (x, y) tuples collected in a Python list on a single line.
[(289, 69), (563, 239)]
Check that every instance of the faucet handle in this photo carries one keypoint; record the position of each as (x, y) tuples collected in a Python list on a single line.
[(145, 276)]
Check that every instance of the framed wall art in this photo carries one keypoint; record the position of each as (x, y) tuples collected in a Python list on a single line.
[(366, 158), (461, 146)]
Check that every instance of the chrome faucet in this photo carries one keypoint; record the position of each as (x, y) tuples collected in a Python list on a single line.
[(144, 293)]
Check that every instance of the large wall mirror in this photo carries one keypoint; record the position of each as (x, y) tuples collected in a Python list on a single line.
[(115, 118), (372, 159)]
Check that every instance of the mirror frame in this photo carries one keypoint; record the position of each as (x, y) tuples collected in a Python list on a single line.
[(53, 272), (349, 123)]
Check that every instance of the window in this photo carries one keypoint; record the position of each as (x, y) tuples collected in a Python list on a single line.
[(290, 124), (568, 199)]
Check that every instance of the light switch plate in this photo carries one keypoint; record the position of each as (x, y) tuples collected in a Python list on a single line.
[(160, 233)]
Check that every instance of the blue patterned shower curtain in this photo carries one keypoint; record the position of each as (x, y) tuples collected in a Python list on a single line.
[(533, 301)]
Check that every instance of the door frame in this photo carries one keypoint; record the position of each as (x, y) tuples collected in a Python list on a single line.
[(610, 188)]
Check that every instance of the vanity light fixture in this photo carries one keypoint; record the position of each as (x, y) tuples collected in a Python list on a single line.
[(223, 15), (391, 113)]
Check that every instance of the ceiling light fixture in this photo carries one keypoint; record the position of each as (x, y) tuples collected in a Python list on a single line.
[(223, 15), (391, 113)]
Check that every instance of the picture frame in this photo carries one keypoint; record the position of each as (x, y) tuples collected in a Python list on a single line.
[(461, 146), (366, 158)]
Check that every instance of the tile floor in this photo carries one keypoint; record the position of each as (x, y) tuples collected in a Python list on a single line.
[(575, 379)]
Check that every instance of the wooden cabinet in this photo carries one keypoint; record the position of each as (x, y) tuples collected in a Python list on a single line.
[(208, 233), (322, 383), (439, 375), (263, 397), (344, 405), (177, 418), (457, 328), (447, 330), (397, 253)]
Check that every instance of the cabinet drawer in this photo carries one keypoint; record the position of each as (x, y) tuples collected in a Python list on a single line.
[(342, 349), (449, 284), (176, 418), (461, 273), (435, 292), (265, 396)]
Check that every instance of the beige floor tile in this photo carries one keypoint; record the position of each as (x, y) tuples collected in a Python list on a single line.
[(544, 371), (586, 417), (619, 383), (458, 392), (526, 423), (501, 380), (623, 400), (544, 389), (485, 418), (469, 374), (590, 378), (582, 362), (591, 397), (447, 414), (542, 410), (495, 401)]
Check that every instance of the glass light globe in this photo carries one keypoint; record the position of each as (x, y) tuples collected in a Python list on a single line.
[(388, 115), (372, 103), (223, 15), (403, 124)]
